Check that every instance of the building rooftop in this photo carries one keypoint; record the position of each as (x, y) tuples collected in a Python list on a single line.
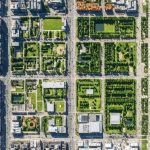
[(90, 123), (115, 118), (54, 85)]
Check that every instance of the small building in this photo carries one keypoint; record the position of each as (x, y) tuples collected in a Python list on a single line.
[(54, 85), (55, 1), (89, 91), (50, 107), (115, 118), (17, 5), (34, 5), (52, 129), (134, 145), (108, 146)]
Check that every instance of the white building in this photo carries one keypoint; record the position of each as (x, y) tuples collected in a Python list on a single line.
[(90, 123), (54, 85), (115, 118), (50, 107)]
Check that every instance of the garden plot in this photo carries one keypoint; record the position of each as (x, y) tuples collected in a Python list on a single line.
[(106, 27), (53, 58), (18, 95), (30, 124), (31, 56), (25, 27), (34, 95), (54, 28), (17, 65), (35, 27), (88, 58), (88, 95), (120, 58), (120, 106)]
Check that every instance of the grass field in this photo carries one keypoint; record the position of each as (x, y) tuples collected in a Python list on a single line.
[(109, 28), (33, 99), (52, 24), (58, 120), (59, 106), (39, 106), (144, 144), (20, 90)]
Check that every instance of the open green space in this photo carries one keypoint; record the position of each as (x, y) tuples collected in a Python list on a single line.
[(144, 144), (58, 120), (39, 106), (120, 58), (120, 100), (53, 58), (54, 93), (106, 27), (32, 97), (17, 65), (31, 124), (24, 22), (88, 58), (59, 106), (53, 23), (31, 49), (17, 86), (39, 91), (88, 95)]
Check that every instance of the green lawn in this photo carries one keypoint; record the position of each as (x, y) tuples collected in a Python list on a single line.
[(39, 106), (144, 144), (145, 8), (52, 24), (109, 28), (39, 93), (20, 90), (33, 99), (31, 49), (58, 120), (59, 106)]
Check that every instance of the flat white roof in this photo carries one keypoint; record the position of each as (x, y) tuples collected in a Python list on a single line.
[(95, 127), (52, 129), (55, 85), (50, 107), (115, 118), (89, 91)]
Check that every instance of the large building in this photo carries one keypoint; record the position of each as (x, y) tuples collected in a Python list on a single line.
[(24, 5), (126, 5), (90, 123)]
